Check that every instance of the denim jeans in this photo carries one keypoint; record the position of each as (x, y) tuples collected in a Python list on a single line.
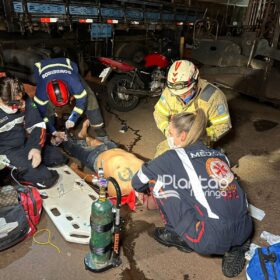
[(85, 154)]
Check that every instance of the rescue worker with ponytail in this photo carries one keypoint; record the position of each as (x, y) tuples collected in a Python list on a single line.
[(58, 80), (186, 92), (203, 206), (19, 117)]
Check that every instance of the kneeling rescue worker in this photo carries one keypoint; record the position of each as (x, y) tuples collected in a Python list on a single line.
[(22, 137), (203, 206), (186, 92), (57, 79)]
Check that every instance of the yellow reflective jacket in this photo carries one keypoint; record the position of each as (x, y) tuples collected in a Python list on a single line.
[(209, 98)]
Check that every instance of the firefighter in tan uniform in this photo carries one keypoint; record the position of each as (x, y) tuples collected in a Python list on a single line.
[(185, 92)]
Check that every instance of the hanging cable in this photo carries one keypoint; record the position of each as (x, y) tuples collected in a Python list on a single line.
[(12, 175)]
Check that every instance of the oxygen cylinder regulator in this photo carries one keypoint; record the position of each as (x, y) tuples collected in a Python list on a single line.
[(105, 228)]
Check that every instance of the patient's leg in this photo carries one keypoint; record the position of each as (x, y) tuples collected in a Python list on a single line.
[(78, 149), (83, 132), (91, 142)]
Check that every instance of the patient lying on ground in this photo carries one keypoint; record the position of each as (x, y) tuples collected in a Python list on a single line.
[(115, 162)]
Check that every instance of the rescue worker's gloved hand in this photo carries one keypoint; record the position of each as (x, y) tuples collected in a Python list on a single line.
[(69, 124), (58, 137), (35, 156)]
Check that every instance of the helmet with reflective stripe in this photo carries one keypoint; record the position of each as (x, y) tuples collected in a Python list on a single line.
[(58, 92), (182, 76)]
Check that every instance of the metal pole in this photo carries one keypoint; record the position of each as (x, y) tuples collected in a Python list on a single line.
[(251, 53), (226, 20), (265, 19), (263, 8), (258, 15), (248, 13), (252, 20), (205, 12), (113, 41), (274, 43)]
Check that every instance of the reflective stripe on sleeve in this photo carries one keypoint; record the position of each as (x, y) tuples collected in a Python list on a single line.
[(68, 61), (78, 110), (161, 109), (220, 119), (81, 95), (41, 69), (10, 125), (40, 125), (38, 65), (40, 102)]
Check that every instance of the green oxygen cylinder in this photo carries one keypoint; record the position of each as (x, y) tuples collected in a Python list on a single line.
[(101, 220), (102, 223)]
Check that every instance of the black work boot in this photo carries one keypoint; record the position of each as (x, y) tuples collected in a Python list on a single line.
[(234, 260), (168, 238)]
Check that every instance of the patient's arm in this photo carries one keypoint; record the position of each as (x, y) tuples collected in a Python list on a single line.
[(92, 142), (88, 177), (83, 132)]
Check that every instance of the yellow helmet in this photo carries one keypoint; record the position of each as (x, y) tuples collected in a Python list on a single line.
[(182, 76)]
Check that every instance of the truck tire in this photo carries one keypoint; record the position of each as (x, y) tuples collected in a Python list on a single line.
[(132, 52), (119, 101), (20, 62)]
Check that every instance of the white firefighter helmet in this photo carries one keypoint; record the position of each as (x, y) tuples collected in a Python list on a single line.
[(182, 76)]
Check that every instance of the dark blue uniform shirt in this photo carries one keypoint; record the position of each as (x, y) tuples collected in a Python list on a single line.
[(197, 192), (59, 69), (13, 128)]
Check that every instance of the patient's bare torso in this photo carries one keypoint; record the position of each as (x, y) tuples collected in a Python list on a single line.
[(120, 165)]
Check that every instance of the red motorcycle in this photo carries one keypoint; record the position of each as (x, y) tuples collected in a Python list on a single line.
[(127, 83)]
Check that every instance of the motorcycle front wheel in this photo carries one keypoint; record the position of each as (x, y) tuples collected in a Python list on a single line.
[(120, 101)]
